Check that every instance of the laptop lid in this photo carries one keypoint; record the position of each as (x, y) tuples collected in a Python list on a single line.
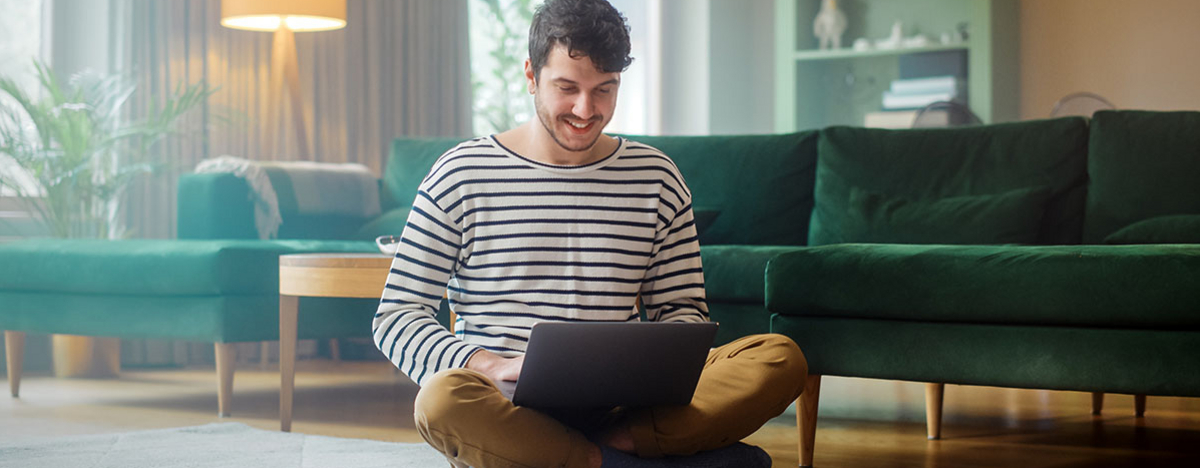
[(609, 364)]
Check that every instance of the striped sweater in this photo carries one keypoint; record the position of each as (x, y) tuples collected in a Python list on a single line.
[(512, 242)]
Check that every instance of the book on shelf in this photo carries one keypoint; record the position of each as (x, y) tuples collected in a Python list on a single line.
[(927, 85), (890, 119), (914, 93), (893, 101)]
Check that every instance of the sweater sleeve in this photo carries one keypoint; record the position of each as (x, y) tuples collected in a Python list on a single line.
[(405, 327), (673, 288)]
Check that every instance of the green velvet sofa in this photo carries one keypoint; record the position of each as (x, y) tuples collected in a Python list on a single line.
[(988, 255), (218, 284)]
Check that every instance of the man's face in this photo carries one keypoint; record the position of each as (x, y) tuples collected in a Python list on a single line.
[(574, 100)]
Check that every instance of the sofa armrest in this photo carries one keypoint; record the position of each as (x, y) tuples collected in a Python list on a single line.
[(735, 273), (215, 206)]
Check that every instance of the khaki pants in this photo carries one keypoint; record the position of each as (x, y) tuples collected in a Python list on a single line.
[(744, 383)]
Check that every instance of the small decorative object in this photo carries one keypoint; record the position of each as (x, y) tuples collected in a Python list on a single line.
[(893, 41), (918, 40), (862, 44), (388, 244), (829, 25)]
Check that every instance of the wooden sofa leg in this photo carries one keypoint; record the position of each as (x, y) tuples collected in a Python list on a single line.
[(1097, 402), (14, 348), (934, 393), (1139, 405), (806, 418), (226, 354)]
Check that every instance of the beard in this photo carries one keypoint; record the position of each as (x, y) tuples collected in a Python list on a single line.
[(549, 123)]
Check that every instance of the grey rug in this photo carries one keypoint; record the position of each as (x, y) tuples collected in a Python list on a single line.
[(215, 446)]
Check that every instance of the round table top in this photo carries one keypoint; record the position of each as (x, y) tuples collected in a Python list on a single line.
[(361, 275), (336, 260)]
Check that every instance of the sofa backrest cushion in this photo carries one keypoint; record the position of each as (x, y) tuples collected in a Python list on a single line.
[(756, 189), (1142, 165), (1018, 182)]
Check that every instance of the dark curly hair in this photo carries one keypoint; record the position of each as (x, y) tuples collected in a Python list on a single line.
[(588, 28)]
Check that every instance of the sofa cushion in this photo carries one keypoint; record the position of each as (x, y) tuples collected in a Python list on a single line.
[(1142, 165), (153, 267), (1012, 217), (1145, 286), (936, 164), (1178, 229)]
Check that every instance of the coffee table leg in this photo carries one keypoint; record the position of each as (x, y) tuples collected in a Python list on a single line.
[(288, 312)]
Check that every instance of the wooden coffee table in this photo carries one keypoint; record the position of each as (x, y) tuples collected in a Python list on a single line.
[(319, 275)]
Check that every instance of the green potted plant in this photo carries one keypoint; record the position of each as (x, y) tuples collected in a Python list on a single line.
[(70, 154)]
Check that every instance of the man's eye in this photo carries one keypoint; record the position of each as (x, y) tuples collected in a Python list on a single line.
[(567, 89), (604, 90)]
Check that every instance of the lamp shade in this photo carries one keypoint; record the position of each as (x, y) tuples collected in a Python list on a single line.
[(270, 15)]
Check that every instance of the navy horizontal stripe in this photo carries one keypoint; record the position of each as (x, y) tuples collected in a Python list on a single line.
[(418, 246), (607, 222), (417, 278), (614, 209), (664, 170), (421, 263), (596, 279), (555, 194), (458, 169), (566, 235), (430, 235), (476, 332), (536, 317), (542, 291), (430, 310), (551, 180), (671, 260), (414, 292), (689, 271), (675, 288), (554, 264), (554, 305), (632, 253)]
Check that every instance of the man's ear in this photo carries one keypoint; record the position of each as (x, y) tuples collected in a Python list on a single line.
[(531, 81)]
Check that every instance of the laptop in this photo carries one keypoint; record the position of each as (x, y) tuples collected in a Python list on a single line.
[(610, 364)]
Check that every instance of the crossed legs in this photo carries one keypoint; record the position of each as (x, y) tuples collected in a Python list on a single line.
[(462, 413)]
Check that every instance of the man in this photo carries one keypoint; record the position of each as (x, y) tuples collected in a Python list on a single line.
[(555, 221)]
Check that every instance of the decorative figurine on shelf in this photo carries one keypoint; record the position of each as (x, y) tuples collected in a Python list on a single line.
[(829, 25), (894, 41)]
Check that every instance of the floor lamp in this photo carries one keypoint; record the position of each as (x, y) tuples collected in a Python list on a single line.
[(284, 18)]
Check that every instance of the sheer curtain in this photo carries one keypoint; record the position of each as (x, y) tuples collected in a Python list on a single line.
[(399, 67)]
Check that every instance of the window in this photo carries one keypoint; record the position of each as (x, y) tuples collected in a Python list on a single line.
[(20, 44)]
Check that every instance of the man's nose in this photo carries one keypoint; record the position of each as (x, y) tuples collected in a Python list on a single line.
[(583, 106)]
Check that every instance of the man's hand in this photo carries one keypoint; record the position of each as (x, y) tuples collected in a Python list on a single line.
[(495, 367)]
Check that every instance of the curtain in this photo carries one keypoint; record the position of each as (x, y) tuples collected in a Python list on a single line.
[(398, 68)]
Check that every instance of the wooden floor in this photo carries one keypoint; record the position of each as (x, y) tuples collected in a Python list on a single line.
[(864, 423)]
